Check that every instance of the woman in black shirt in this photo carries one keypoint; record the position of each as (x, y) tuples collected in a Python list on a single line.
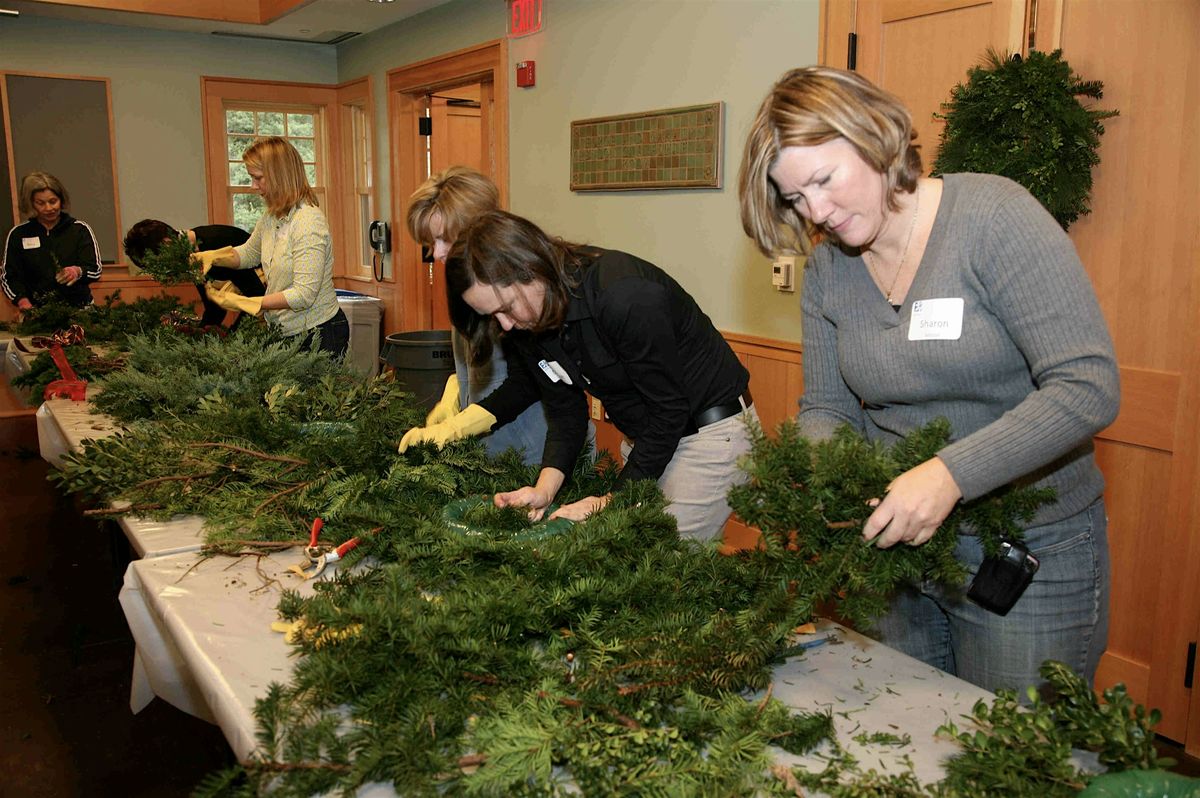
[(52, 254), (587, 319)]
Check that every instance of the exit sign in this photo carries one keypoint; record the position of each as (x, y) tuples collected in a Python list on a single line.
[(524, 17)]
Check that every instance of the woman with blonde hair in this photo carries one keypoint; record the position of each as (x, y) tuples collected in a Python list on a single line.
[(51, 254), (292, 244), (957, 297), (438, 211)]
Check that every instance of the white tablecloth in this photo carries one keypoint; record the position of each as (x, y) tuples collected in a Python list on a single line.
[(205, 645), (63, 425), (203, 633)]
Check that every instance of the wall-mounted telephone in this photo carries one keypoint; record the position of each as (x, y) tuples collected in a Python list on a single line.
[(381, 241), (380, 237)]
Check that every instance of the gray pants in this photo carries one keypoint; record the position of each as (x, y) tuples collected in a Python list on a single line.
[(699, 476)]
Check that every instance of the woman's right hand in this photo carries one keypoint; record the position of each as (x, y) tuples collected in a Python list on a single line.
[(536, 497), (529, 496)]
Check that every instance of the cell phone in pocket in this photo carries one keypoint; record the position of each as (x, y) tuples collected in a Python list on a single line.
[(1002, 579)]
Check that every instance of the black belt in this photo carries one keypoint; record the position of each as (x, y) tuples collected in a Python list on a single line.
[(721, 412)]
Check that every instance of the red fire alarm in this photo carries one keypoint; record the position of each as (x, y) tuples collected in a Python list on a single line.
[(525, 75)]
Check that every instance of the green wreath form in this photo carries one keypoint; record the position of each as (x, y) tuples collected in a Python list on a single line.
[(478, 516)]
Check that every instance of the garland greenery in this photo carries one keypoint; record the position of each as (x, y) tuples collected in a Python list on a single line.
[(611, 658), (1022, 118), (171, 262), (810, 501), (110, 321)]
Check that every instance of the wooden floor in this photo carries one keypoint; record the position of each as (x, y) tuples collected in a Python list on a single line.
[(66, 654)]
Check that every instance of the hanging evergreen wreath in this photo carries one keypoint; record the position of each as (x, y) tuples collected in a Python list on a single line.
[(1022, 118)]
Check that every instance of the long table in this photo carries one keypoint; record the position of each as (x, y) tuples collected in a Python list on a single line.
[(204, 642), (203, 631), (63, 425)]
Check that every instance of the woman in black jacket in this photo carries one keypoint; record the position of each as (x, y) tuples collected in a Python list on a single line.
[(52, 254), (579, 319)]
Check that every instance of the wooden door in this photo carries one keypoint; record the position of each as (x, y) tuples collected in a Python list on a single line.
[(920, 49), (410, 89), (456, 139), (1141, 246)]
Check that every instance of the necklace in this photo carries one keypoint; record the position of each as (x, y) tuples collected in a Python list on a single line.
[(903, 254)]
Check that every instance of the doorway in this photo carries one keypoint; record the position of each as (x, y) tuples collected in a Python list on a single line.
[(463, 98)]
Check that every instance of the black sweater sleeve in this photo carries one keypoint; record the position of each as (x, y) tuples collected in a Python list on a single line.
[(566, 406), (11, 272)]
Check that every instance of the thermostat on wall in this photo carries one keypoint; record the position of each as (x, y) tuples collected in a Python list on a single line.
[(781, 272)]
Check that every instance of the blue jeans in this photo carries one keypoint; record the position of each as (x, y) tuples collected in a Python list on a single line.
[(332, 336), (1063, 614)]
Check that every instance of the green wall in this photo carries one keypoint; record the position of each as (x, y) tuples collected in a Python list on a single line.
[(155, 84), (621, 56)]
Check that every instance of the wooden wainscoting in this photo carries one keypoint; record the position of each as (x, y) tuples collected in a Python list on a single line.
[(134, 288), (776, 380)]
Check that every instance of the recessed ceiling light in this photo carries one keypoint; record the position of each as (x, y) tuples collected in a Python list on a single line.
[(381, 1)]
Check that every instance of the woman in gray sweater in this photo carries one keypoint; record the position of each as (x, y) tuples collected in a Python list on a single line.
[(958, 297)]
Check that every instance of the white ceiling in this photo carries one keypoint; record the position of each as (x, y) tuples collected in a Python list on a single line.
[(316, 21)]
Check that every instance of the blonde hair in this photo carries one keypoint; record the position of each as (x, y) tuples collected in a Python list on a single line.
[(810, 106), (34, 182), (458, 195), (286, 182)]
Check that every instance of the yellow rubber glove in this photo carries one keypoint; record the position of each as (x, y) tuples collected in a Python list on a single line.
[(228, 297), (473, 420), (225, 256), (295, 631), (448, 406)]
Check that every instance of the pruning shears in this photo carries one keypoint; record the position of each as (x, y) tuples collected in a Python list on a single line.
[(320, 555)]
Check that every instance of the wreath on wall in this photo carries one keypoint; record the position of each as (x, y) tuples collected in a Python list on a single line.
[(1023, 118)]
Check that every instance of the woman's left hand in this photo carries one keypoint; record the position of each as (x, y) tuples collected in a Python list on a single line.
[(914, 507), (69, 275), (580, 510)]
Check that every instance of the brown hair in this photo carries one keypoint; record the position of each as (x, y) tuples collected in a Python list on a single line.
[(34, 182), (458, 194), (286, 182), (501, 249), (146, 236), (811, 106)]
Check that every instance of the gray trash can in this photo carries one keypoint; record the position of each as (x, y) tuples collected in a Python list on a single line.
[(421, 361)]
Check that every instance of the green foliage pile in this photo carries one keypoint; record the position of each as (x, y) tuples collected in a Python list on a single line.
[(612, 658), (473, 665), (109, 322), (169, 375), (171, 263), (1022, 118), (1017, 750), (810, 501)]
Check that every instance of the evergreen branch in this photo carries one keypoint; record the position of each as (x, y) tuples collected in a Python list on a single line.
[(260, 455), (133, 508), (274, 497)]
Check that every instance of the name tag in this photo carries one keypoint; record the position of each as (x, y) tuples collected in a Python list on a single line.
[(554, 371), (31, 243), (936, 319)]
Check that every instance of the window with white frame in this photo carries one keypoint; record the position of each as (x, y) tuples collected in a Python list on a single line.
[(363, 201), (246, 124)]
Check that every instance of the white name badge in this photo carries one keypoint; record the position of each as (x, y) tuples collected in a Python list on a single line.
[(31, 243), (555, 372), (936, 319)]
